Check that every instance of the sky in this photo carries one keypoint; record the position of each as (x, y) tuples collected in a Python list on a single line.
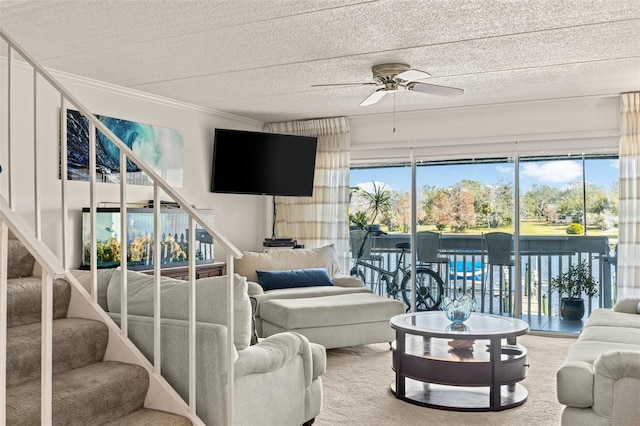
[(557, 174)]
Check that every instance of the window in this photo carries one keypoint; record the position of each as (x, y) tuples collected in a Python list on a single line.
[(568, 207), (478, 196)]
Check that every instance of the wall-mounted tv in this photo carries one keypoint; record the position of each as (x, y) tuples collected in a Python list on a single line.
[(263, 163)]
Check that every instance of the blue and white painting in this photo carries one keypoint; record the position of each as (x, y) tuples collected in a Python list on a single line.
[(161, 149)]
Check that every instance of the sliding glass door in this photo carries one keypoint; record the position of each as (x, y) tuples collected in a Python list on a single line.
[(507, 226), (568, 219)]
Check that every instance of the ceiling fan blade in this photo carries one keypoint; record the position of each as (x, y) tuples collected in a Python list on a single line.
[(374, 97), (432, 89), (412, 75), (344, 84)]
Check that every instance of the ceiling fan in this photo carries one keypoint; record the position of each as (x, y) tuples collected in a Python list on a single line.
[(389, 77)]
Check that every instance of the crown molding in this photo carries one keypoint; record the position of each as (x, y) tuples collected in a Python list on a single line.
[(65, 77)]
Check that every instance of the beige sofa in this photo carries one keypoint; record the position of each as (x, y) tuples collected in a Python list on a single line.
[(277, 380), (599, 381), (343, 313)]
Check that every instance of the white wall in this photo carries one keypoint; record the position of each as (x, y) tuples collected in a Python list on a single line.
[(239, 217), (590, 124)]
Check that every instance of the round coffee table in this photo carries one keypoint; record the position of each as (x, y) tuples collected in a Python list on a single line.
[(463, 367)]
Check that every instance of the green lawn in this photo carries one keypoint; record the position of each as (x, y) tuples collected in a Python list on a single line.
[(532, 228)]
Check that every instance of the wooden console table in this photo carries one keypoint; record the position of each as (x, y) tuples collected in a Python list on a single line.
[(204, 270)]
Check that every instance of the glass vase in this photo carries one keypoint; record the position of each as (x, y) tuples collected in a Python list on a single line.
[(459, 310)]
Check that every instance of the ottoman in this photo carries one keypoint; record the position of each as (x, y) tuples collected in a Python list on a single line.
[(333, 321)]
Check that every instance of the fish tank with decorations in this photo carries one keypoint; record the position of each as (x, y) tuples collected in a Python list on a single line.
[(174, 238)]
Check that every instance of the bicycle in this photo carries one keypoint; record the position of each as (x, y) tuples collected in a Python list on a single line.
[(429, 285)]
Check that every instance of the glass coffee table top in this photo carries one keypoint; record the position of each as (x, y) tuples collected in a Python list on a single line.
[(478, 326)]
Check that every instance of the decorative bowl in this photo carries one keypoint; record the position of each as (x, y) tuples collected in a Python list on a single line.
[(459, 310)]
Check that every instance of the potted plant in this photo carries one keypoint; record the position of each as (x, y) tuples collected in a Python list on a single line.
[(571, 285)]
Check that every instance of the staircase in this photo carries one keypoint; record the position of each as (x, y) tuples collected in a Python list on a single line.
[(86, 389), (77, 385)]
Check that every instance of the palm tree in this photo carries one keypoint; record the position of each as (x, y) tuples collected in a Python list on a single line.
[(378, 200)]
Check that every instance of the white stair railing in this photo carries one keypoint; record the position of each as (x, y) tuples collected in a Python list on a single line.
[(4, 235), (16, 216)]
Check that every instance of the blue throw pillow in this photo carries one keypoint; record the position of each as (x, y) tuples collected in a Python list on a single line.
[(290, 278)]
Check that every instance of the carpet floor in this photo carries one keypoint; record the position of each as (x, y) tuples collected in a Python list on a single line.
[(356, 390)]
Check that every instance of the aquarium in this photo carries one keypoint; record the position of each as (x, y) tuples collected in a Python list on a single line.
[(174, 235)]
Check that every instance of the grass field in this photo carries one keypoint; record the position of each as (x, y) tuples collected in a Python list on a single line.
[(532, 228)]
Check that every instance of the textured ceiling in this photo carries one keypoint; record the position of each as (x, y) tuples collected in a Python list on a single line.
[(258, 59)]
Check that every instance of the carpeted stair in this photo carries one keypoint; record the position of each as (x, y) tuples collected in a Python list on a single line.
[(86, 389)]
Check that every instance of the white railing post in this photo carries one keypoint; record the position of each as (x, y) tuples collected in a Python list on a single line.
[(124, 298), (63, 180), (36, 168), (93, 205), (46, 361), (9, 165), (230, 340), (192, 315), (157, 298), (4, 236)]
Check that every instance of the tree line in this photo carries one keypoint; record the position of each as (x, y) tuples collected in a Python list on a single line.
[(472, 204)]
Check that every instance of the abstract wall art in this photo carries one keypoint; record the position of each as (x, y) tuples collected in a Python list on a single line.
[(161, 149)]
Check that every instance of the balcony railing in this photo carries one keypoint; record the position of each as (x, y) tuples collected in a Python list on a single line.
[(541, 258)]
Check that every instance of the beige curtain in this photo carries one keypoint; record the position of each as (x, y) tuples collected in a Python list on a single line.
[(323, 218), (628, 282)]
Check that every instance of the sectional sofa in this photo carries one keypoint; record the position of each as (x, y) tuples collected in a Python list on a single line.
[(599, 381)]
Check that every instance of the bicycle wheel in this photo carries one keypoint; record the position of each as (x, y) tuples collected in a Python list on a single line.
[(429, 289), (357, 272)]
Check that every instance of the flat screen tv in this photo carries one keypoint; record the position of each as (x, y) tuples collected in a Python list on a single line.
[(263, 163)]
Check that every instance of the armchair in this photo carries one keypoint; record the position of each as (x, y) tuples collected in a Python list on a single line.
[(277, 380)]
